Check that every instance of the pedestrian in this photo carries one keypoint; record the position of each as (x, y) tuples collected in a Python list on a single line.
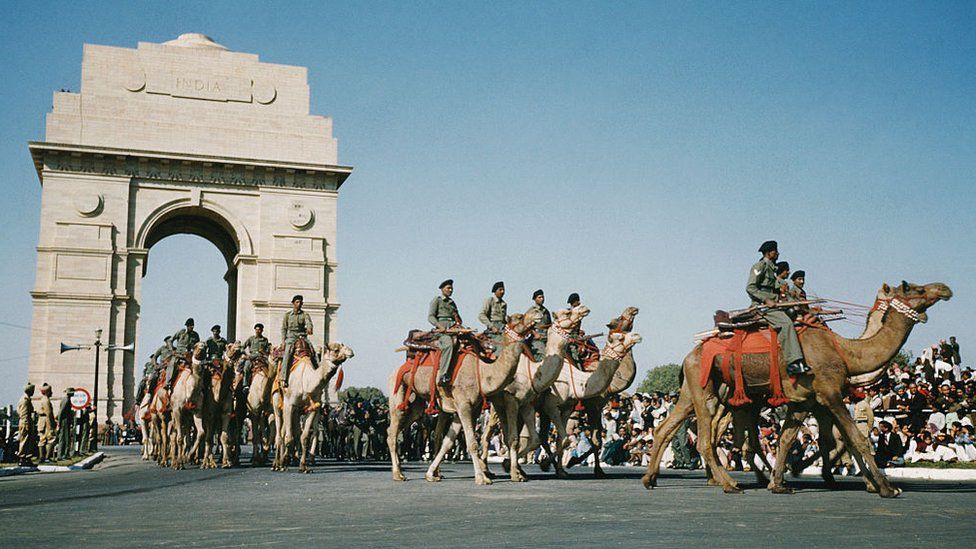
[(25, 426), (45, 426)]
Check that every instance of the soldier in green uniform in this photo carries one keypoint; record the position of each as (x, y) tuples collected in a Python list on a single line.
[(443, 314), (540, 330), (25, 426), (255, 346), (573, 349), (66, 424), (782, 282), (797, 293), (182, 341), (761, 288), (216, 344), (494, 311), (163, 351), (296, 324)]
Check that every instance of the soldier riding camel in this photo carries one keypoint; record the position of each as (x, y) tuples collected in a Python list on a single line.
[(296, 325), (764, 290), (494, 312), (443, 315)]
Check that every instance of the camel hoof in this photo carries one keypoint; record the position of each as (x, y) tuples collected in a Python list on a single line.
[(226, 465), (712, 482), (779, 489), (483, 481), (732, 489), (431, 478), (891, 493), (872, 489), (398, 477)]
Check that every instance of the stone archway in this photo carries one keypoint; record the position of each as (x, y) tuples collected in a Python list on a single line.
[(181, 137)]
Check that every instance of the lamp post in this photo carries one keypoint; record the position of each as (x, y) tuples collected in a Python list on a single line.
[(97, 345)]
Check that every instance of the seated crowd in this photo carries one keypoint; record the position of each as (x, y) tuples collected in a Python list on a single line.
[(924, 411)]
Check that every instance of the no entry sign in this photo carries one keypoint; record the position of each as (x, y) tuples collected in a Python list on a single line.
[(81, 398)]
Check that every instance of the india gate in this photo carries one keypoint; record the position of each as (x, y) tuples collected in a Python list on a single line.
[(183, 137)]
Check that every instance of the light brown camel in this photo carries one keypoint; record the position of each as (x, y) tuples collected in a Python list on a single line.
[(622, 379), (574, 386), (159, 415), (145, 417), (830, 441), (303, 394), (263, 371), (218, 406), (516, 414), (187, 409), (833, 359), (464, 397)]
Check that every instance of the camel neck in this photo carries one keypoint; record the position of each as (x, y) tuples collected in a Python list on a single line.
[(624, 375), (496, 375), (867, 355), (600, 379)]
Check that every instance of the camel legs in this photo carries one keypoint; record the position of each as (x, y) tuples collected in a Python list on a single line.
[(467, 416), (308, 435), (511, 432), (706, 446), (551, 410), (225, 424), (594, 418), (177, 443), (746, 427), (663, 435), (204, 436), (489, 426), (447, 442), (858, 445)]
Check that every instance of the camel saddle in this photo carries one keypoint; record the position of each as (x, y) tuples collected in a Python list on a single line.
[(419, 341)]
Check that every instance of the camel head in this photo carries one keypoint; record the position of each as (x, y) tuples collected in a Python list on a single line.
[(624, 322), (199, 351), (618, 343), (337, 353), (520, 324), (568, 318), (233, 351), (917, 297)]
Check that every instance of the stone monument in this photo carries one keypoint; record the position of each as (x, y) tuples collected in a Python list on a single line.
[(180, 137)]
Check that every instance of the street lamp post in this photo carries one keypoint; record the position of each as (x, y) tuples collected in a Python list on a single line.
[(97, 344)]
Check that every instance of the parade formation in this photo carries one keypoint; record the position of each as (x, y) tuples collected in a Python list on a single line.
[(538, 372)]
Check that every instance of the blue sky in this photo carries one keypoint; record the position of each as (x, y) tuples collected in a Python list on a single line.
[(635, 153)]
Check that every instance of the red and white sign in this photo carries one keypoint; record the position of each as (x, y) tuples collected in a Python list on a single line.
[(81, 398)]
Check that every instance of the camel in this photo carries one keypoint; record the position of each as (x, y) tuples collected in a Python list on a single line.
[(187, 406), (833, 360), (622, 379), (475, 379), (513, 405), (304, 393), (830, 440), (219, 401), (259, 407), (142, 412), (158, 416), (574, 386)]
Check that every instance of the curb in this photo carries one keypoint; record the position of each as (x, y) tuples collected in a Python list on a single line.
[(82, 465)]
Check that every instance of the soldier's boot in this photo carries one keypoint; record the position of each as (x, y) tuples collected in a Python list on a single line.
[(444, 369), (246, 370), (170, 376), (797, 367)]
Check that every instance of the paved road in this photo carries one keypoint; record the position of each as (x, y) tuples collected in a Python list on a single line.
[(125, 501)]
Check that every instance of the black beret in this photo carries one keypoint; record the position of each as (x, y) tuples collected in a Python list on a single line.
[(798, 274), (782, 266), (259, 325), (298, 297), (573, 297), (189, 322), (537, 293), (495, 286), (448, 282), (215, 327), (768, 246)]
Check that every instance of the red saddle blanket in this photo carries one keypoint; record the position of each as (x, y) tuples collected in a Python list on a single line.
[(427, 359), (731, 350)]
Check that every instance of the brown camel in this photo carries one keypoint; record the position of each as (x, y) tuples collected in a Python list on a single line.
[(833, 360), (513, 405), (303, 395), (187, 409), (829, 441), (574, 386), (474, 380), (218, 406), (263, 370)]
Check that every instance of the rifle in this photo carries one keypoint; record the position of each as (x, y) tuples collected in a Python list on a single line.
[(759, 309)]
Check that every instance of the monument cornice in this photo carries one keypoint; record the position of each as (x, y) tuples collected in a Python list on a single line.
[(186, 168)]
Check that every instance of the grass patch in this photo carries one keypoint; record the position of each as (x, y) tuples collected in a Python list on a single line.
[(942, 465)]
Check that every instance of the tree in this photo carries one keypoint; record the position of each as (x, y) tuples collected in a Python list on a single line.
[(371, 394), (663, 379), (904, 358)]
